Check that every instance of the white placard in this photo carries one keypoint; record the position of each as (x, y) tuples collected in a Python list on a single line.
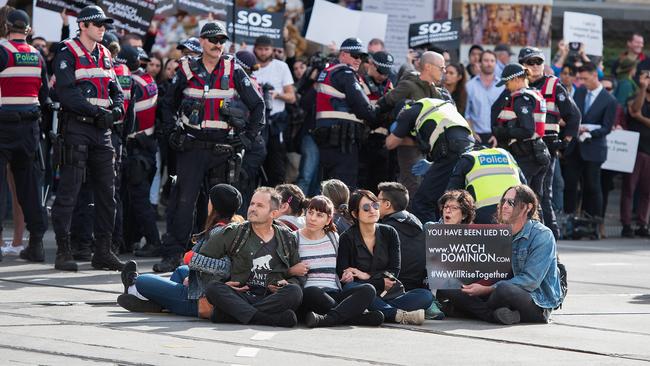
[(334, 23), (3, 2), (621, 151), (584, 28), (400, 15), (48, 23)]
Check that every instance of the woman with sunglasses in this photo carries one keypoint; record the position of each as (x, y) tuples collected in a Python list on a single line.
[(370, 253), (324, 302)]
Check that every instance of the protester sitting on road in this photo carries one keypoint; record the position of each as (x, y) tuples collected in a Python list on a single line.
[(534, 290), (260, 289), (339, 194), (183, 293), (292, 207), (457, 207), (325, 302), (370, 253)]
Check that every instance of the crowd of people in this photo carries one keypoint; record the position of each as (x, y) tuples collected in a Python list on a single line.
[(115, 127)]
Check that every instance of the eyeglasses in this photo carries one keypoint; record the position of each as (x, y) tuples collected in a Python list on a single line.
[(450, 207), (99, 24), (442, 68), (509, 201), (534, 62), (217, 40), (356, 56), (366, 206)]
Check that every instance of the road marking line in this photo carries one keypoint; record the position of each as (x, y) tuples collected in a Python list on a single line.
[(611, 264), (247, 352), (263, 336)]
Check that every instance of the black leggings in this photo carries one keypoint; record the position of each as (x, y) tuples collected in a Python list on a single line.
[(342, 306), (505, 295)]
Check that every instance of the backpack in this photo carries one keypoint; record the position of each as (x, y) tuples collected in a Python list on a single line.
[(564, 285)]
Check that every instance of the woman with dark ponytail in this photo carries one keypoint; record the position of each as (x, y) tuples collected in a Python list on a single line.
[(339, 193)]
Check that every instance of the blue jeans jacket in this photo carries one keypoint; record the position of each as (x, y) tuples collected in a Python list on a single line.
[(534, 264)]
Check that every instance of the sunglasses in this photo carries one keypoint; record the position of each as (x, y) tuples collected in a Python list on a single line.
[(511, 202), (534, 62), (366, 206), (99, 24), (217, 40)]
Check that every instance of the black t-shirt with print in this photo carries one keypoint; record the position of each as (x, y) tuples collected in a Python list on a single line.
[(264, 260)]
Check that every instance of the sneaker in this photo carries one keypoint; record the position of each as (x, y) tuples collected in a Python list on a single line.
[(372, 318), (506, 316), (312, 319), (627, 231), (132, 303), (434, 312), (410, 317), (129, 274), (12, 250), (642, 231)]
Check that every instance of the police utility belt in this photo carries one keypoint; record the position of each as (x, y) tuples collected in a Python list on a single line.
[(533, 147), (20, 116), (342, 135)]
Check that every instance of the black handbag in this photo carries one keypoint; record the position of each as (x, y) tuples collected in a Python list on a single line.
[(394, 292)]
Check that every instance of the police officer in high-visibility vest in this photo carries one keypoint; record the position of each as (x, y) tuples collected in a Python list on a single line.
[(562, 122), (376, 164), (486, 174), (23, 92), (205, 138), (91, 102), (520, 126), (443, 135), (342, 109)]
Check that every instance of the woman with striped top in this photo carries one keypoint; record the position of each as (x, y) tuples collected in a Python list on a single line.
[(324, 301)]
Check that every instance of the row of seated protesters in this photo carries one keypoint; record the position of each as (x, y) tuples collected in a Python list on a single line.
[(275, 270)]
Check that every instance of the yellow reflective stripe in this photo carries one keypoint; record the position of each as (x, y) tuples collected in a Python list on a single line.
[(552, 127), (211, 94), (99, 102), (440, 128), (149, 131), (9, 46), (483, 171), (19, 100), (329, 90), (92, 73), (21, 71), (146, 104), (487, 202), (338, 115), (206, 124), (424, 115)]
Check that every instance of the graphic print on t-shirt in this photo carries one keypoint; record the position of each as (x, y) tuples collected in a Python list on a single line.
[(263, 261)]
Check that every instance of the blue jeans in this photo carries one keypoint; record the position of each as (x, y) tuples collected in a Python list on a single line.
[(415, 299), (170, 293), (308, 178)]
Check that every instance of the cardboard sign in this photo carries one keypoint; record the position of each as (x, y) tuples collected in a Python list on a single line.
[(250, 24), (621, 151), (203, 7), (134, 16), (333, 23), (73, 7), (463, 254), (444, 34), (586, 29)]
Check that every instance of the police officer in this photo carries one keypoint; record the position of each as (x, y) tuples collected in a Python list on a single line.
[(486, 174), (341, 109), (91, 101), (200, 93), (520, 126), (444, 135), (376, 164), (190, 47), (562, 122), (23, 89)]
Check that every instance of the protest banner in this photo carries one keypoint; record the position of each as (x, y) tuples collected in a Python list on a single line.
[(621, 151), (203, 7), (444, 34), (165, 8), (333, 23), (134, 16), (73, 7), (462, 254), (586, 29), (250, 24), (47, 24)]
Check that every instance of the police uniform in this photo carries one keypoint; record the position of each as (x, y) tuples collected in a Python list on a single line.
[(443, 134), (91, 100), (486, 174), (520, 125), (23, 88), (341, 109), (559, 106), (203, 137), (376, 163)]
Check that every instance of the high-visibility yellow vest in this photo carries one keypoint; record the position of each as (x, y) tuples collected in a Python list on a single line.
[(494, 171), (443, 113)]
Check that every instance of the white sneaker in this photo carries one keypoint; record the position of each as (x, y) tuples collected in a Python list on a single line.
[(410, 317), (12, 250)]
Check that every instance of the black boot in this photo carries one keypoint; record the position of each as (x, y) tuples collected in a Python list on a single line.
[(81, 250), (167, 264), (148, 250), (104, 258), (129, 274), (64, 260), (34, 251)]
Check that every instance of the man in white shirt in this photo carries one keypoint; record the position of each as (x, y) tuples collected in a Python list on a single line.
[(276, 74)]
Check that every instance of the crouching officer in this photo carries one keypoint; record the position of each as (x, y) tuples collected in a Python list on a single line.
[(91, 101), (486, 174), (23, 89), (341, 109), (200, 94), (444, 135), (520, 126)]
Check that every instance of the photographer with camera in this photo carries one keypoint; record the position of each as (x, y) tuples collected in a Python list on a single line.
[(200, 94)]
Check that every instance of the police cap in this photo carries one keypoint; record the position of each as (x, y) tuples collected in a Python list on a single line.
[(109, 37), (129, 56), (527, 53), (191, 44), (511, 71), (213, 29), (142, 55), (383, 61), (18, 20), (353, 46), (93, 13)]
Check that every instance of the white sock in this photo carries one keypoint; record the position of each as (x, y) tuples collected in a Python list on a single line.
[(134, 291)]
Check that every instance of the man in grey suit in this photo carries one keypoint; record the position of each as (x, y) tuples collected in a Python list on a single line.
[(588, 152)]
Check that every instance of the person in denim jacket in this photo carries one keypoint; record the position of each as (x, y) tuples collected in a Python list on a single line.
[(533, 290)]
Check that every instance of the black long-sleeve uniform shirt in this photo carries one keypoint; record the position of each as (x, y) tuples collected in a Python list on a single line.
[(568, 109), (345, 80), (44, 91), (524, 108)]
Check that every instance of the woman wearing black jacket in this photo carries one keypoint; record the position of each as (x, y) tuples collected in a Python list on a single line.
[(369, 253)]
